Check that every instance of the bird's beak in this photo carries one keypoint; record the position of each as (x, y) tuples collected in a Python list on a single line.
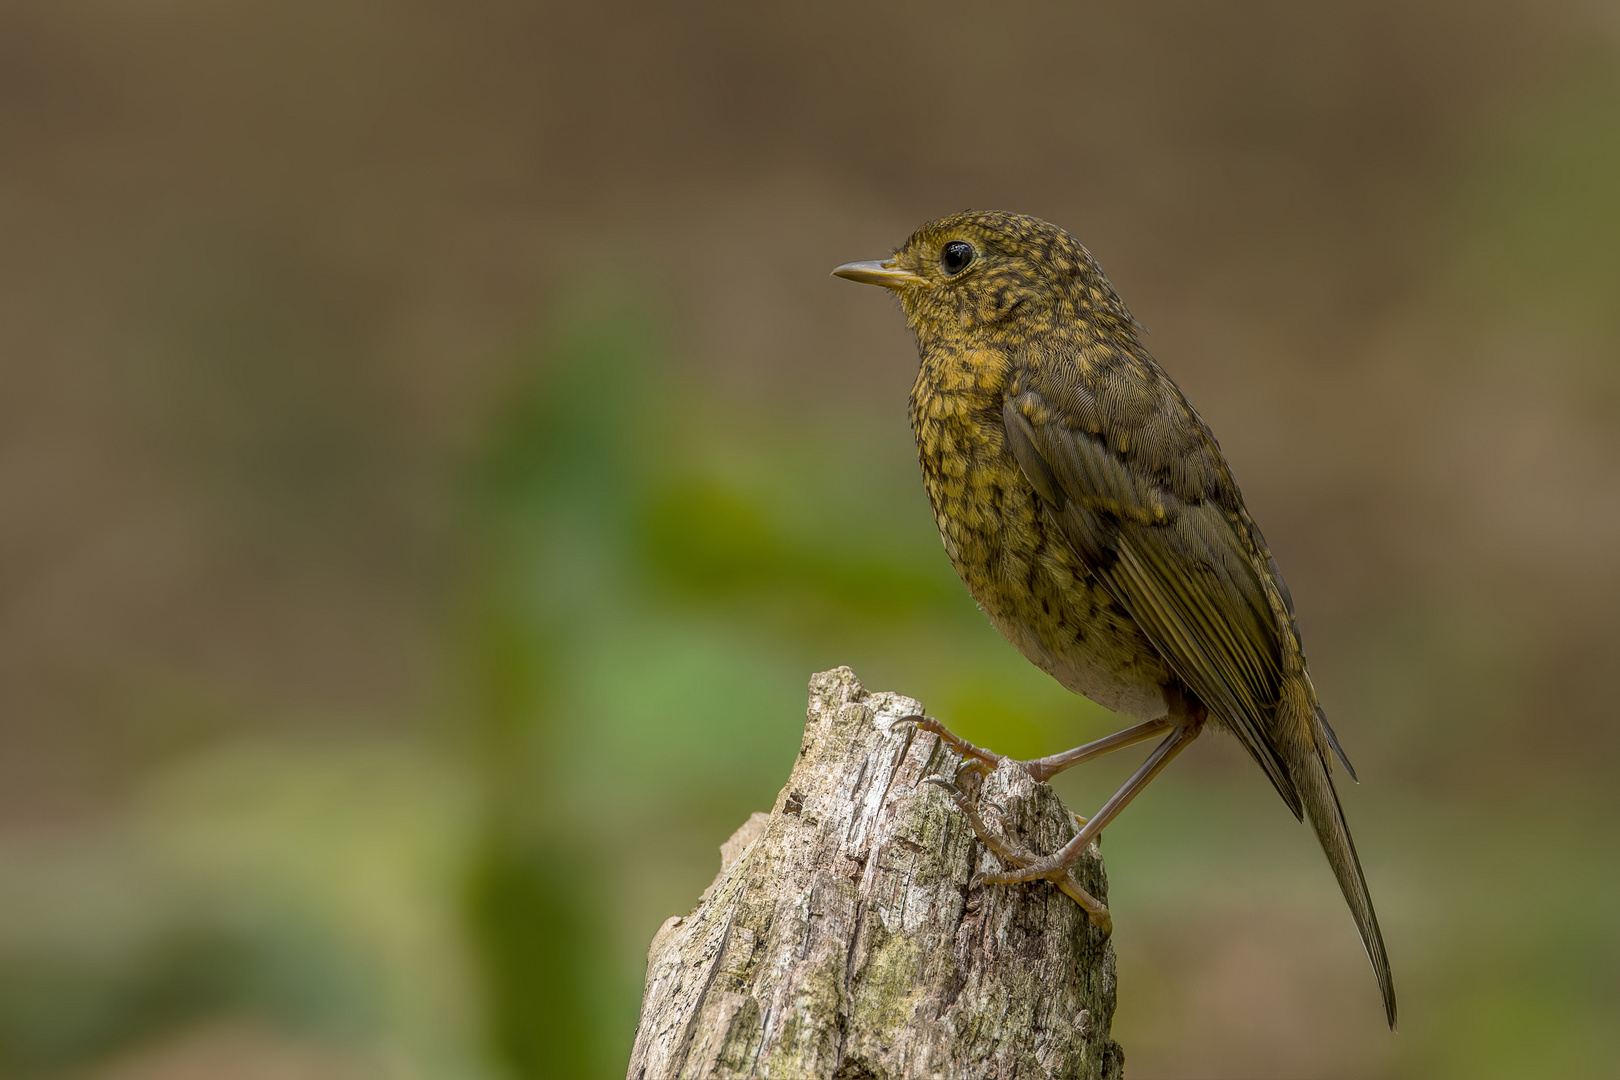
[(878, 273)]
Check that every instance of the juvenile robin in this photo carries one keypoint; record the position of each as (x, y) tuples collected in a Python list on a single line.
[(1090, 512)]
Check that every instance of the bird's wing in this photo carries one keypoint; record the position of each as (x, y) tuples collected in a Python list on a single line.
[(1164, 532)]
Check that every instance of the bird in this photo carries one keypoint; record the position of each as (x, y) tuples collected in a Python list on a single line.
[(1091, 514)]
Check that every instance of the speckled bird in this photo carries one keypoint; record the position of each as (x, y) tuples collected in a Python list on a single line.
[(1091, 514)]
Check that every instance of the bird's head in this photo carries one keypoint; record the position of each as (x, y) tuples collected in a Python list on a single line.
[(993, 273)]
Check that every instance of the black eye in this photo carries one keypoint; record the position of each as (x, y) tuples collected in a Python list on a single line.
[(956, 255)]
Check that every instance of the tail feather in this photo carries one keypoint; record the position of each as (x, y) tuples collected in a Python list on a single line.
[(1333, 740), (1327, 818)]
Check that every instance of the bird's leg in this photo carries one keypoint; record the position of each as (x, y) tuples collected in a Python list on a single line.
[(1058, 863), (1009, 853), (1043, 769)]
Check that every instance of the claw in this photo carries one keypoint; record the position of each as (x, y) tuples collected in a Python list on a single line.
[(1096, 911), (954, 741), (974, 765)]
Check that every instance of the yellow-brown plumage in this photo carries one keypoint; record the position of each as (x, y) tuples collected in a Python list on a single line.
[(1091, 514)]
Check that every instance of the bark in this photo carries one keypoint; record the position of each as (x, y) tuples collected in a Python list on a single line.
[(844, 937)]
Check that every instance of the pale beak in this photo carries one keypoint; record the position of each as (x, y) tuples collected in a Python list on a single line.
[(878, 273)]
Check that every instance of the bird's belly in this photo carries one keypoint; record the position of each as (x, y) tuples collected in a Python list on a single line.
[(1037, 591)]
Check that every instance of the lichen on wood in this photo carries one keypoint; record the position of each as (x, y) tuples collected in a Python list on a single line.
[(844, 937)]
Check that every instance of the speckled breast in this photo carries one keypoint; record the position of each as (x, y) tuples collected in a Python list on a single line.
[(1015, 563)]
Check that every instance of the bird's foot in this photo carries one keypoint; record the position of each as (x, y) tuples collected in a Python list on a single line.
[(1032, 866), (975, 758)]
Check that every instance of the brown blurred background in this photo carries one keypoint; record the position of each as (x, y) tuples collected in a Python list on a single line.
[(434, 457)]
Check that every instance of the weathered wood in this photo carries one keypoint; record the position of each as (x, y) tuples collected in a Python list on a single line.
[(843, 939)]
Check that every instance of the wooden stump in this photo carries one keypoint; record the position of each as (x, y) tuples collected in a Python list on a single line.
[(843, 939)]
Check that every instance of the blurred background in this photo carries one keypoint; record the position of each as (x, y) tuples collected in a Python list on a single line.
[(434, 458)]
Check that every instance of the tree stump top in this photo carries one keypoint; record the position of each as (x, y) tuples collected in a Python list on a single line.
[(843, 937)]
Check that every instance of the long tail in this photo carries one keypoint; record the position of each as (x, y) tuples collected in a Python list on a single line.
[(1327, 817)]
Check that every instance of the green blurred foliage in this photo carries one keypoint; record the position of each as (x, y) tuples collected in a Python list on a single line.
[(308, 886), (1537, 217)]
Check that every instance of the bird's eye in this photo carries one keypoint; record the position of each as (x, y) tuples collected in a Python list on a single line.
[(955, 256)]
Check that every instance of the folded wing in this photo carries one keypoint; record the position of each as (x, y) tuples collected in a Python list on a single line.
[(1169, 544)]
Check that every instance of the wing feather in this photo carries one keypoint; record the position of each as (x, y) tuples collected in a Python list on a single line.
[(1179, 565)]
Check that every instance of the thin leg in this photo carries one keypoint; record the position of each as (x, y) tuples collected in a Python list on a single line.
[(1059, 862), (1043, 769)]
